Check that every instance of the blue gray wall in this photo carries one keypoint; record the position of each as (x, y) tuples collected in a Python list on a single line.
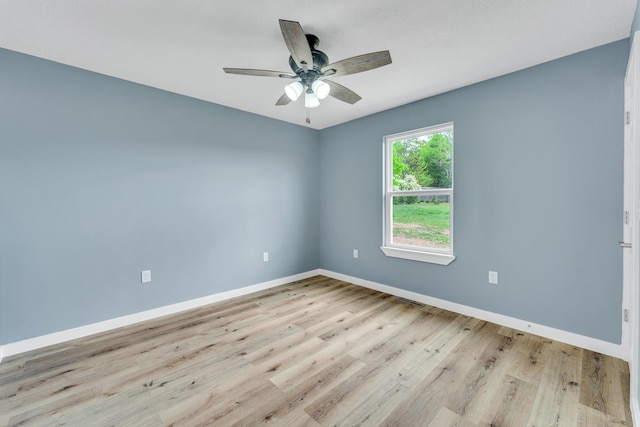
[(101, 178), (538, 194)]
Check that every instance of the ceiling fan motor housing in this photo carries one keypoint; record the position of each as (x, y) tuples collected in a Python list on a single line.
[(320, 60)]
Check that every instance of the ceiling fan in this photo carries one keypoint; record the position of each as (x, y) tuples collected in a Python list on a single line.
[(310, 66)]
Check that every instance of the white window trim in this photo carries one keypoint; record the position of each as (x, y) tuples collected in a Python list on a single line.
[(423, 256), (414, 253)]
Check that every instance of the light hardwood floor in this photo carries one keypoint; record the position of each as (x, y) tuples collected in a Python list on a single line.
[(315, 352)]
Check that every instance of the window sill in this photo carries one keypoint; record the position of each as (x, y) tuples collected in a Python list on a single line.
[(431, 257)]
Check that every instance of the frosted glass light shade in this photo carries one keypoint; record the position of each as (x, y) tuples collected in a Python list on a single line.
[(321, 89), (293, 90), (311, 100)]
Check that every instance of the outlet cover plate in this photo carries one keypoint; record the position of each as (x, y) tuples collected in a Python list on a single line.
[(145, 276), (493, 277)]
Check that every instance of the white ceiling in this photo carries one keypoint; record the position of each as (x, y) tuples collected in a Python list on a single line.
[(435, 45)]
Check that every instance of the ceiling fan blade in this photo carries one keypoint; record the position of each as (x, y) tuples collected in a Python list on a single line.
[(297, 43), (261, 73), (358, 64), (342, 93), (283, 100)]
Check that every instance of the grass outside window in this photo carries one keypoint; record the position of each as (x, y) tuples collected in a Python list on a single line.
[(422, 224)]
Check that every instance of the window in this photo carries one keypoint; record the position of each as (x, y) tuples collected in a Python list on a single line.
[(418, 195)]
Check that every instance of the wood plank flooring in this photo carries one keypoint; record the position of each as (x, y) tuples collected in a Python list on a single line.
[(319, 352)]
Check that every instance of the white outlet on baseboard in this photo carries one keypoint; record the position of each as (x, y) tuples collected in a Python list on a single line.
[(145, 276), (355, 253), (265, 256), (493, 277)]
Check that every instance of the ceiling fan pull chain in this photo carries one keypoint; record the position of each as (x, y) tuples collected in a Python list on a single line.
[(308, 116)]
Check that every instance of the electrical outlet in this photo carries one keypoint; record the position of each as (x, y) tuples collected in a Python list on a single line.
[(355, 253), (265, 256), (493, 277), (145, 276)]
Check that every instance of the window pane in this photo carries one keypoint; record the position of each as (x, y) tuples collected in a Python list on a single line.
[(423, 221), (423, 161)]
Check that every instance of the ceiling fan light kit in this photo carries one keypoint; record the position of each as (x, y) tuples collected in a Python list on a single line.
[(311, 66)]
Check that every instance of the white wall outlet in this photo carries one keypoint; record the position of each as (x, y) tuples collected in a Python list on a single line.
[(355, 253), (145, 276), (493, 277), (265, 256)]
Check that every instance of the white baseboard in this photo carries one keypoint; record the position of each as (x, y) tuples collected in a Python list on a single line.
[(588, 343), (582, 341), (18, 347)]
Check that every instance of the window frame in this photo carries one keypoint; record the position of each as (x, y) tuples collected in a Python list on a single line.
[(411, 252)]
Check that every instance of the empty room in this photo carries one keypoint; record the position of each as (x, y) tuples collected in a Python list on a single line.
[(419, 213)]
